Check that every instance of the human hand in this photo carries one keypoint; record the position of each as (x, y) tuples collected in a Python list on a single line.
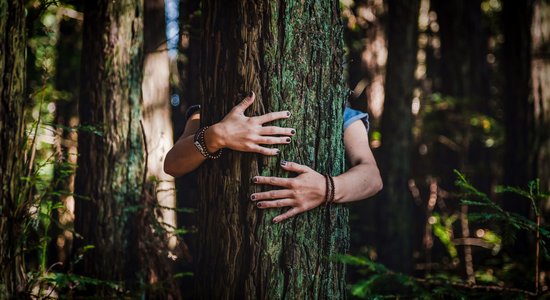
[(302, 193), (239, 132)]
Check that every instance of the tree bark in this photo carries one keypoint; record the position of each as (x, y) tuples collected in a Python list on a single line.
[(395, 230), (290, 54), (12, 142), (110, 174), (540, 78)]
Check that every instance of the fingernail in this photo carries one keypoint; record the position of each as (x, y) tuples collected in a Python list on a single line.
[(276, 220), (277, 152), (288, 140), (288, 114), (293, 131), (250, 94), (255, 179), (252, 197), (259, 204), (283, 163)]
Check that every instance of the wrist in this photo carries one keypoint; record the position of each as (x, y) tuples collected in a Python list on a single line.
[(338, 190), (214, 138)]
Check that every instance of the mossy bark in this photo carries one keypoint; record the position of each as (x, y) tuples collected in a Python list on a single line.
[(290, 54), (111, 164), (395, 216), (12, 160)]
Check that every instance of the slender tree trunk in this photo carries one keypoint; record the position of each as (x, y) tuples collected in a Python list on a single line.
[(69, 48), (12, 160), (290, 54), (540, 78), (518, 114), (395, 230), (157, 127), (110, 172)]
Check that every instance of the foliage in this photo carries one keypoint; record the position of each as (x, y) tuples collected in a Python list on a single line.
[(380, 282)]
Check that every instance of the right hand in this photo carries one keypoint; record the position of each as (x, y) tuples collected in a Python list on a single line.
[(241, 133)]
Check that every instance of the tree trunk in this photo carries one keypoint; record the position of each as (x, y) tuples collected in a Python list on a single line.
[(395, 230), (540, 78), (110, 172), (518, 117), (12, 142), (69, 48), (290, 54)]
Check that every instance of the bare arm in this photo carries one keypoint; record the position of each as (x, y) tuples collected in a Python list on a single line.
[(236, 131), (363, 179), (308, 190)]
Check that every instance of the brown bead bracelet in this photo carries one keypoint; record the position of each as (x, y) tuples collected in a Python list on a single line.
[(200, 144)]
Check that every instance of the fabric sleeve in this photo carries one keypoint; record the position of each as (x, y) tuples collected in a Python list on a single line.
[(351, 115), (191, 110)]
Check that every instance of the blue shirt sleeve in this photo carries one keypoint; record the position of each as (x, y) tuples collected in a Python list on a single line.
[(351, 115)]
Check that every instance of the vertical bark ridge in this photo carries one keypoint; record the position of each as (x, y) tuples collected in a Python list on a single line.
[(12, 161)]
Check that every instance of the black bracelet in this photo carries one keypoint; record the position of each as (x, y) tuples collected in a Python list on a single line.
[(200, 144)]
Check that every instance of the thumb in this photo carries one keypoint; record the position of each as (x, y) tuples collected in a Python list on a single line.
[(241, 107)]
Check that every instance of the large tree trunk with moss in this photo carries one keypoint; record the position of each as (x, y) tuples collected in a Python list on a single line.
[(110, 174), (12, 88), (395, 216), (290, 54), (540, 79)]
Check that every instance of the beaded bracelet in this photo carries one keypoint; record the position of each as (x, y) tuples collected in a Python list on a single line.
[(200, 144), (329, 184)]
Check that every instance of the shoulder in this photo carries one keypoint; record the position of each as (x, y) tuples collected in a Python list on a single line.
[(351, 115)]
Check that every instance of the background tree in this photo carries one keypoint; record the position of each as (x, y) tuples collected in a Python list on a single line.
[(395, 214), (13, 211), (111, 168), (290, 54), (540, 76)]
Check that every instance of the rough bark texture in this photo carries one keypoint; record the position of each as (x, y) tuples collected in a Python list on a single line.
[(540, 79), (111, 163), (290, 54), (12, 87), (395, 231)]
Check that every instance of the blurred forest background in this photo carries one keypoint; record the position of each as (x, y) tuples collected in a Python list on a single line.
[(463, 146)]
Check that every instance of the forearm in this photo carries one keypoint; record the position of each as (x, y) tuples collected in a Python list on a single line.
[(360, 182), (184, 157)]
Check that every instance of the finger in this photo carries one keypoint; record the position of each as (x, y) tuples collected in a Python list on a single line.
[(289, 214), (275, 194), (276, 181), (294, 167), (276, 203), (241, 107), (275, 130), (263, 150), (270, 140), (272, 116)]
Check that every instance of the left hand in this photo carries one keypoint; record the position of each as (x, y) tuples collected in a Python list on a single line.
[(302, 193)]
